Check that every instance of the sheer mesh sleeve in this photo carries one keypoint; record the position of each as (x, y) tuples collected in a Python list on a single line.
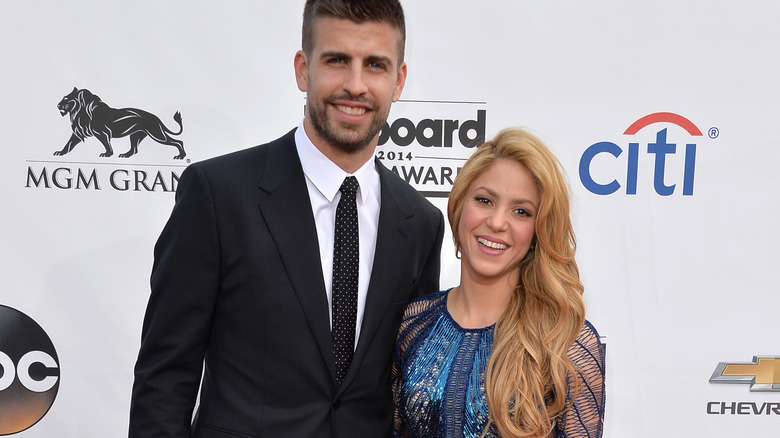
[(417, 314), (585, 417)]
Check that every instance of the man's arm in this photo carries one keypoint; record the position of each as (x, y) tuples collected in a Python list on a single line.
[(178, 318), (429, 280)]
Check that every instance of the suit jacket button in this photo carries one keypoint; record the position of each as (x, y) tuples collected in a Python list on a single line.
[(336, 404)]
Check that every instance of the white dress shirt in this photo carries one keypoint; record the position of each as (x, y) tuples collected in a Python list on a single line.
[(323, 180)]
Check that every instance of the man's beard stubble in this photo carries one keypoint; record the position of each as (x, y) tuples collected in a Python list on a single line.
[(345, 138)]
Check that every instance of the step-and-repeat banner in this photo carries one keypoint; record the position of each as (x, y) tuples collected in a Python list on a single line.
[(664, 115)]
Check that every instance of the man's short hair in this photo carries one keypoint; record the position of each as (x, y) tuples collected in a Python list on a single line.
[(357, 11)]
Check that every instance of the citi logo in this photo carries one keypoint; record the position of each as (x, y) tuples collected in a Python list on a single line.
[(601, 174), (30, 372)]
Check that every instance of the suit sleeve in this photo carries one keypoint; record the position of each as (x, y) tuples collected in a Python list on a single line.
[(184, 285), (429, 280)]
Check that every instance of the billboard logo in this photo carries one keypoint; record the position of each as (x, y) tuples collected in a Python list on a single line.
[(30, 374), (426, 142), (763, 374), (662, 149), (91, 117), (435, 133)]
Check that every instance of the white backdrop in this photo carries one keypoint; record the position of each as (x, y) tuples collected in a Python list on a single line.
[(675, 283)]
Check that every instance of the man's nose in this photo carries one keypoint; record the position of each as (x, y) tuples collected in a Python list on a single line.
[(354, 82)]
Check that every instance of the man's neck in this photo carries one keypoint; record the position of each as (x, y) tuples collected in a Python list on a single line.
[(349, 162)]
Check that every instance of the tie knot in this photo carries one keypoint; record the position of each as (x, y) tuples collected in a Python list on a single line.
[(349, 187)]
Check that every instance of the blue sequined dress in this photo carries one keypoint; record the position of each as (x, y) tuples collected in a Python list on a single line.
[(439, 377)]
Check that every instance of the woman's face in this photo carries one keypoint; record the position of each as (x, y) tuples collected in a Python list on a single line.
[(497, 223)]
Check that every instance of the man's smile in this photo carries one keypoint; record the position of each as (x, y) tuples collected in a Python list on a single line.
[(351, 110)]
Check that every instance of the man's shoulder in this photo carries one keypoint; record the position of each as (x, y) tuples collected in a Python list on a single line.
[(404, 193), (251, 156)]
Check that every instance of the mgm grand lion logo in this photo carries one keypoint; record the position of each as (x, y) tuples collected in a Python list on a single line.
[(91, 117)]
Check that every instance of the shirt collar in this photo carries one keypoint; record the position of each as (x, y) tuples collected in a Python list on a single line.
[(326, 176)]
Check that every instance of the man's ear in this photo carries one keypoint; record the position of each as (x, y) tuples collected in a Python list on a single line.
[(301, 70), (399, 82)]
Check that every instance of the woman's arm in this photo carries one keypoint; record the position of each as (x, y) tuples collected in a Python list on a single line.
[(585, 415)]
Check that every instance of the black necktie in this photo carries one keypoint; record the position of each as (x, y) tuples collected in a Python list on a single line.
[(345, 277)]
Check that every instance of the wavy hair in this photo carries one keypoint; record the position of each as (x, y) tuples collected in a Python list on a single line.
[(529, 377)]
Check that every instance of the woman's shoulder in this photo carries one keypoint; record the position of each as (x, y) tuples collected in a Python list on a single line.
[(420, 313), (425, 304), (587, 348), (588, 331), (431, 297)]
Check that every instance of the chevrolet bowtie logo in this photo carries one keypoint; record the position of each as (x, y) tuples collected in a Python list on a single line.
[(763, 374)]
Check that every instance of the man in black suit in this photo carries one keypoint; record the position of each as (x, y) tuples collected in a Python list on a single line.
[(241, 283)]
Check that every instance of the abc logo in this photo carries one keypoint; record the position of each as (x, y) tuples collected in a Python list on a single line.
[(29, 371)]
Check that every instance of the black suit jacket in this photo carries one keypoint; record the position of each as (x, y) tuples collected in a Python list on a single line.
[(237, 285)]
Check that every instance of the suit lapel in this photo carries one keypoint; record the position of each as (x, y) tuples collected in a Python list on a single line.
[(392, 248), (285, 206)]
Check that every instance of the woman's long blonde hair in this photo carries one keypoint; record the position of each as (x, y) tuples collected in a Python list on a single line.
[(529, 374)]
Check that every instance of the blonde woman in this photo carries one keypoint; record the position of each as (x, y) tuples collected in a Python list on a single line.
[(507, 352)]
